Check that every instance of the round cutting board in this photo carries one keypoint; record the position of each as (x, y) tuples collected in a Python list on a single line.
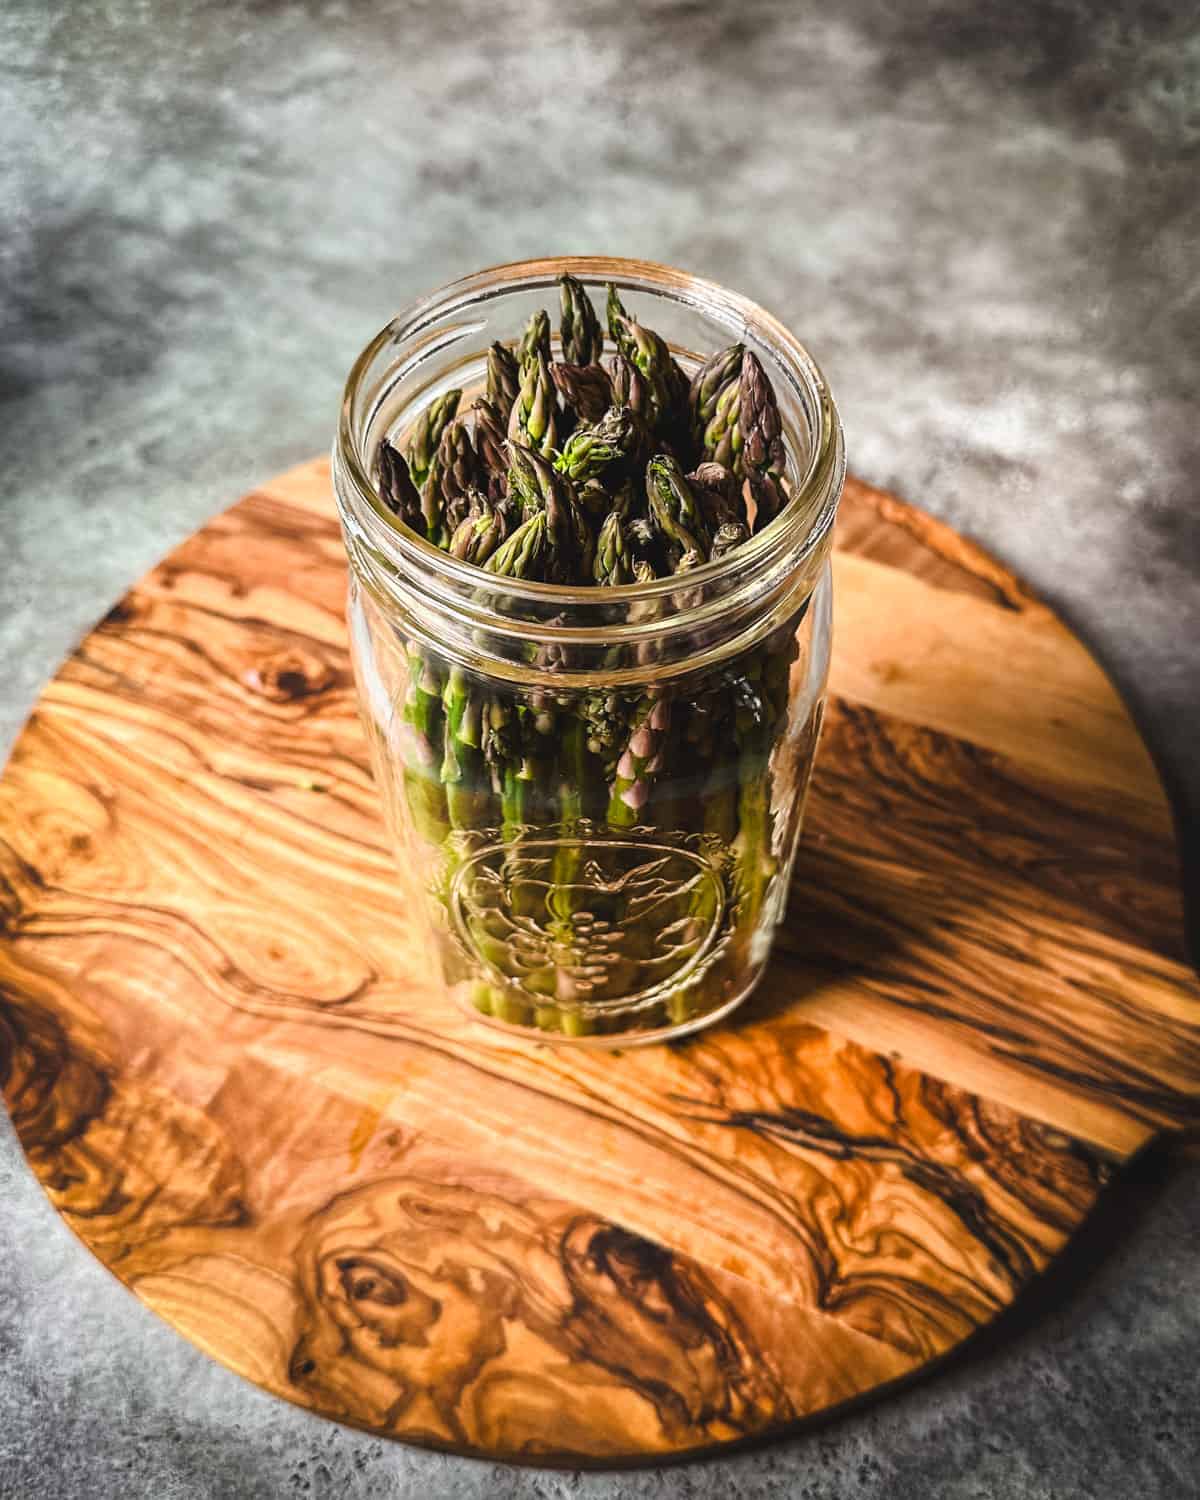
[(233, 1074)]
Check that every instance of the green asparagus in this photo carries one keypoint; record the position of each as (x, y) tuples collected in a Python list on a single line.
[(629, 387), (709, 384), (535, 340), (432, 422), (580, 332), (675, 512), (491, 467), (503, 381), (649, 355), (452, 477), (584, 390), (613, 445), (534, 416), (613, 565), (523, 554), (396, 489), (480, 531), (591, 474)]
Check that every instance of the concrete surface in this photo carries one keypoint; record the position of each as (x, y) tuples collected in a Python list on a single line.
[(983, 218)]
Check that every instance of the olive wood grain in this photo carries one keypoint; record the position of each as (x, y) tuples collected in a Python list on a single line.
[(233, 1074)]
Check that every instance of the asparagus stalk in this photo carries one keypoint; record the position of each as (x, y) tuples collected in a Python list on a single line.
[(595, 501), (424, 791), (758, 417), (718, 494), (614, 564), (649, 355), (614, 443), (762, 460), (397, 490), (581, 335), (728, 538), (721, 439), (491, 466), (674, 511), (710, 382), (427, 434), (463, 772), (480, 532), (629, 387), (514, 752), (503, 381), (534, 416), (585, 390), (640, 760), (535, 341), (452, 478), (537, 484), (766, 493), (523, 554)]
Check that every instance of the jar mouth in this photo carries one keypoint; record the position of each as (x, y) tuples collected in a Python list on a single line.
[(802, 527)]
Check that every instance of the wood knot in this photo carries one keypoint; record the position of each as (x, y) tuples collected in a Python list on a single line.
[(289, 675)]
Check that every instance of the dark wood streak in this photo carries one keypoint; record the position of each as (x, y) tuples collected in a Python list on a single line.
[(229, 1069), (993, 826)]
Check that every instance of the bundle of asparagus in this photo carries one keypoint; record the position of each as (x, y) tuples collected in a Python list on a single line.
[(581, 470)]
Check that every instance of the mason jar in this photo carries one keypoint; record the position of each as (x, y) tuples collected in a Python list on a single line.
[(595, 794)]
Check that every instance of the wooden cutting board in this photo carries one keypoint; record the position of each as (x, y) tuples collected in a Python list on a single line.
[(234, 1076)]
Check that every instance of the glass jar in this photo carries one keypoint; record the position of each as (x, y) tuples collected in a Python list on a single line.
[(595, 793)]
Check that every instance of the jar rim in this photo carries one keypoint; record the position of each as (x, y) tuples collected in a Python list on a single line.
[(809, 513)]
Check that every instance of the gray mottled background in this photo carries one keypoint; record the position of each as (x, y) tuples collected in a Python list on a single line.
[(982, 218)]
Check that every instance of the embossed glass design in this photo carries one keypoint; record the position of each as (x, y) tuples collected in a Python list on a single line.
[(595, 794)]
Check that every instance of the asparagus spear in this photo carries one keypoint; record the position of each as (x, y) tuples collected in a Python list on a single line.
[(518, 753), (645, 547), (613, 565), (463, 771), (639, 762), (719, 793), (607, 726), (762, 430), (594, 500), (718, 493), (581, 335), (535, 340), (752, 846), (618, 440), (503, 381), (649, 355), (424, 792), (585, 390), (570, 545), (480, 532), (396, 489), (710, 382), (490, 464), (757, 442), (768, 496), (534, 416), (523, 554), (629, 387), (427, 434), (721, 439), (674, 511), (453, 476)]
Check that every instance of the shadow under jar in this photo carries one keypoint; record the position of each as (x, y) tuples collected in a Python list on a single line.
[(595, 793)]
